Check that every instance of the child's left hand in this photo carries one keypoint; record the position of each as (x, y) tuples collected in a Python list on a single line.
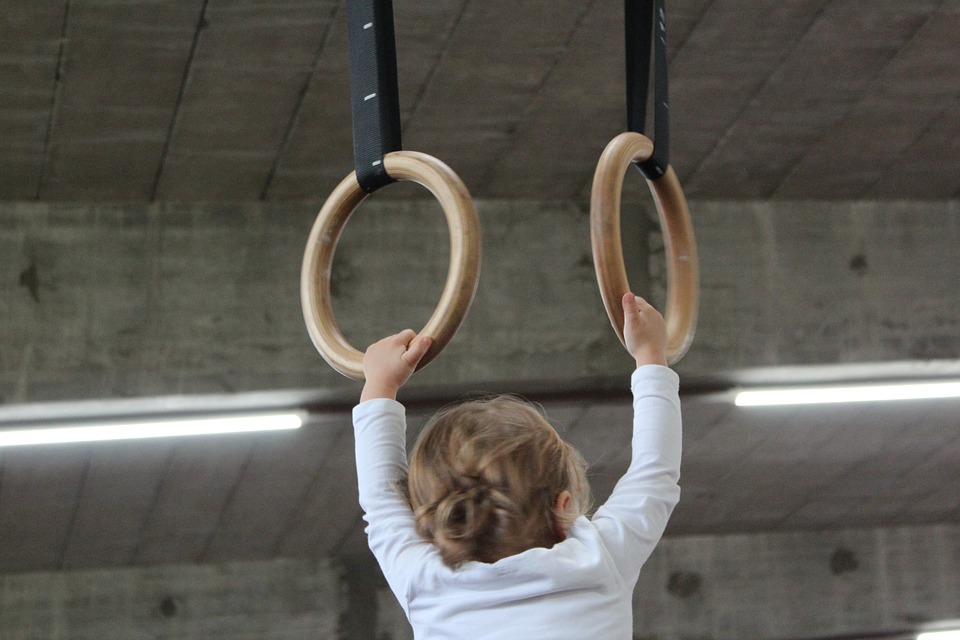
[(389, 363)]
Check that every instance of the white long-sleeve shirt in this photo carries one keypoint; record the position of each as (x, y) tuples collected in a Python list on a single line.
[(580, 588)]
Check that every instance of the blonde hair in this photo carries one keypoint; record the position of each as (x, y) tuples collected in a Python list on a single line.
[(484, 479)]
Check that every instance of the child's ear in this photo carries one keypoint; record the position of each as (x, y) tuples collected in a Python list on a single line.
[(560, 509), (562, 505)]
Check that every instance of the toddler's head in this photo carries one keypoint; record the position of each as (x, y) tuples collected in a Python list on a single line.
[(485, 477)]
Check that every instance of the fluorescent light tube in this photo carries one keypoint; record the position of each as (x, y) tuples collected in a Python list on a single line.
[(939, 635), (862, 393), (149, 429)]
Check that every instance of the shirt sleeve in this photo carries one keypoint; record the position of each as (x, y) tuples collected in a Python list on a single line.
[(380, 432), (633, 519)]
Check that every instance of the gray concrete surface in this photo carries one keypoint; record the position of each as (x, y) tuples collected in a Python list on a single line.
[(852, 109), (120, 302), (213, 100), (775, 586), (237, 601), (863, 583), (136, 300)]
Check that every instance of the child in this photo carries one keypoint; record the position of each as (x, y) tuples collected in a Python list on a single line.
[(486, 536)]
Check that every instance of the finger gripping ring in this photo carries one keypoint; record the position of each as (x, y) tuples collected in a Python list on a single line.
[(462, 276), (683, 289)]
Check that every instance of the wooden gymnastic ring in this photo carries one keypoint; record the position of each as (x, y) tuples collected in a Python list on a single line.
[(683, 288), (462, 275)]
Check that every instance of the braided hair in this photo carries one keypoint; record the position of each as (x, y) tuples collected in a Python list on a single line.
[(484, 480)]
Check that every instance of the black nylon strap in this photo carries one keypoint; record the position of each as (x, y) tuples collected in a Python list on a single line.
[(374, 96), (645, 20)]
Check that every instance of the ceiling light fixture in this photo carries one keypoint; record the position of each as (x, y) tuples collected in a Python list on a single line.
[(859, 393), (160, 428), (953, 634)]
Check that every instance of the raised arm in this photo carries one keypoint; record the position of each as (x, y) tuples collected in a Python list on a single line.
[(379, 427), (634, 517)]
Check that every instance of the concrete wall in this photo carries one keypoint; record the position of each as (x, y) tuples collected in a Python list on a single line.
[(826, 283), (110, 302), (101, 301), (241, 601), (800, 585), (773, 586)]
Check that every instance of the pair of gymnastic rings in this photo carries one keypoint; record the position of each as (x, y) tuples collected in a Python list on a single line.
[(464, 270)]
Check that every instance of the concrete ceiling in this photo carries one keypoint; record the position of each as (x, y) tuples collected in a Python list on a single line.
[(211, 100), (126, 100)]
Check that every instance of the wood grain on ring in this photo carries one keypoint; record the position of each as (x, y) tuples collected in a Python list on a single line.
[(683, 279), (462, 276)]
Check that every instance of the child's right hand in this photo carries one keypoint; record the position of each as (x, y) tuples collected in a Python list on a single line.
[(644, 331), (389, 363)]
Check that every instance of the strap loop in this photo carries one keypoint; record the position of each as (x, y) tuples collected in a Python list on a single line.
[(379, 161), (374, 96), (645, 20)]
